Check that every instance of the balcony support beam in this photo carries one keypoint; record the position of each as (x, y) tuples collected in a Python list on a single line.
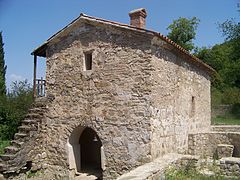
[(34, 75)]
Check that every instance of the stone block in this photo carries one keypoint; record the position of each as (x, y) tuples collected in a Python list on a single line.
[(224, 150), (2, 177)]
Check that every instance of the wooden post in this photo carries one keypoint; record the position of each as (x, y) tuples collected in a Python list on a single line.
[(34, 75), (41, 92)]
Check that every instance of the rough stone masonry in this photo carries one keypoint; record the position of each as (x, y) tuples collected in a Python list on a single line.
[(132, 90)]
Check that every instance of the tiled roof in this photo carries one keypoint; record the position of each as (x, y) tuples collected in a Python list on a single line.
[(40, 51)]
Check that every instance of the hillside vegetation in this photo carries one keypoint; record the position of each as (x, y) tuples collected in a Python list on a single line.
[(225, 59)]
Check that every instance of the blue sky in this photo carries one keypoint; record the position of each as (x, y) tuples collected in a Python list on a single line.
[(28, 23)]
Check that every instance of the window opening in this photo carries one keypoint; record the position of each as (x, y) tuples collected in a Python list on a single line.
[(88, 62), (192, 113)]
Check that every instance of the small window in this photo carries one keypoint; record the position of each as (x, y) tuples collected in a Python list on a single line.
[(192, 113), (87, 62)]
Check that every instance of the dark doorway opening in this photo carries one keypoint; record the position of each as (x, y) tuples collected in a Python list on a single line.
[(90, 145), (236, 152)]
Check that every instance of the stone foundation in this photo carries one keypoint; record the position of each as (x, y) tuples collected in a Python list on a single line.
[(224, 150), (230, 166), (226, 128), (156, 169), (206, 144)]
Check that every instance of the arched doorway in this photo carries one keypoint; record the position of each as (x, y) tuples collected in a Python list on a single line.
[(85, 151), (90, 150)]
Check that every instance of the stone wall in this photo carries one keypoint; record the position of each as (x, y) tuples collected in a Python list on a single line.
[(160, 167), (113, 98), (157, 168), (141, 98), (205, 144), (230, 166), (226, 128), (180, 101)]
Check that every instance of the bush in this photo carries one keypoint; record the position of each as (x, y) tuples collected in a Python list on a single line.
[(216, 97), (231, 96), (3, 144), (235, 111), (13, 108)]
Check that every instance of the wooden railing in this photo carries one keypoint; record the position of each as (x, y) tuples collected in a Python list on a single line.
[(40, 87)]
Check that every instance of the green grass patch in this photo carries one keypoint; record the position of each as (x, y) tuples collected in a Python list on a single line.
[(189, 171), (3, 144), (31, 174), (225, 121), (174, 174), (192, 174)]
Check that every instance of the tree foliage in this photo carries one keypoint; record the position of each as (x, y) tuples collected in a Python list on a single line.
[(183, 31), (221, 58), (14, 104), (13, 108), (230, 29), (225, 59), (3, 68)]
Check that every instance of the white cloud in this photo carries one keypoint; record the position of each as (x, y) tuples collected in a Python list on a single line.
[(15, 77)]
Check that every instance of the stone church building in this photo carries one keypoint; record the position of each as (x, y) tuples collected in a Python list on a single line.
[(116, 96)]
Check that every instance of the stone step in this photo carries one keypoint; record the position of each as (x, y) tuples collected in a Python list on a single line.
[(26, 128), (7, 157), (30, 122), (33, 116), (15, 168), (85, 176), (11, 150), (3, 167), (11, 170), (38, 108), (40, 111), (17, 143), (40, 102), (19, 136)]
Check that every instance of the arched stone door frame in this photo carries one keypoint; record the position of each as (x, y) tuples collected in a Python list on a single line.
[(74, 149)]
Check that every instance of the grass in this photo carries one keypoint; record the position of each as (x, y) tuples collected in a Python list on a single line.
[(3, 144), (190, 175), (229, 116), (31, 174), (225, 121), (190, 172)]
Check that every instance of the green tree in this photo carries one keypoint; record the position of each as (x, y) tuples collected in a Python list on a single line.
[(230, 29), (13, 108), (183, 31), (3, 68), (224, 58)]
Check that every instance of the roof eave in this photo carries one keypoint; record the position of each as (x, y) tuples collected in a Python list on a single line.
[(41, 50)]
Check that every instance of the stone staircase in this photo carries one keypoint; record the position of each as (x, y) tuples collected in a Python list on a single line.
[(15, 159)]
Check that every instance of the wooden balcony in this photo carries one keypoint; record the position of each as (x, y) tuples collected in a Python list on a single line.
[(40, 87)]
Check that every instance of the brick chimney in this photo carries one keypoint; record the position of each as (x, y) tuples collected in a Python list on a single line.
[(138, 18)]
